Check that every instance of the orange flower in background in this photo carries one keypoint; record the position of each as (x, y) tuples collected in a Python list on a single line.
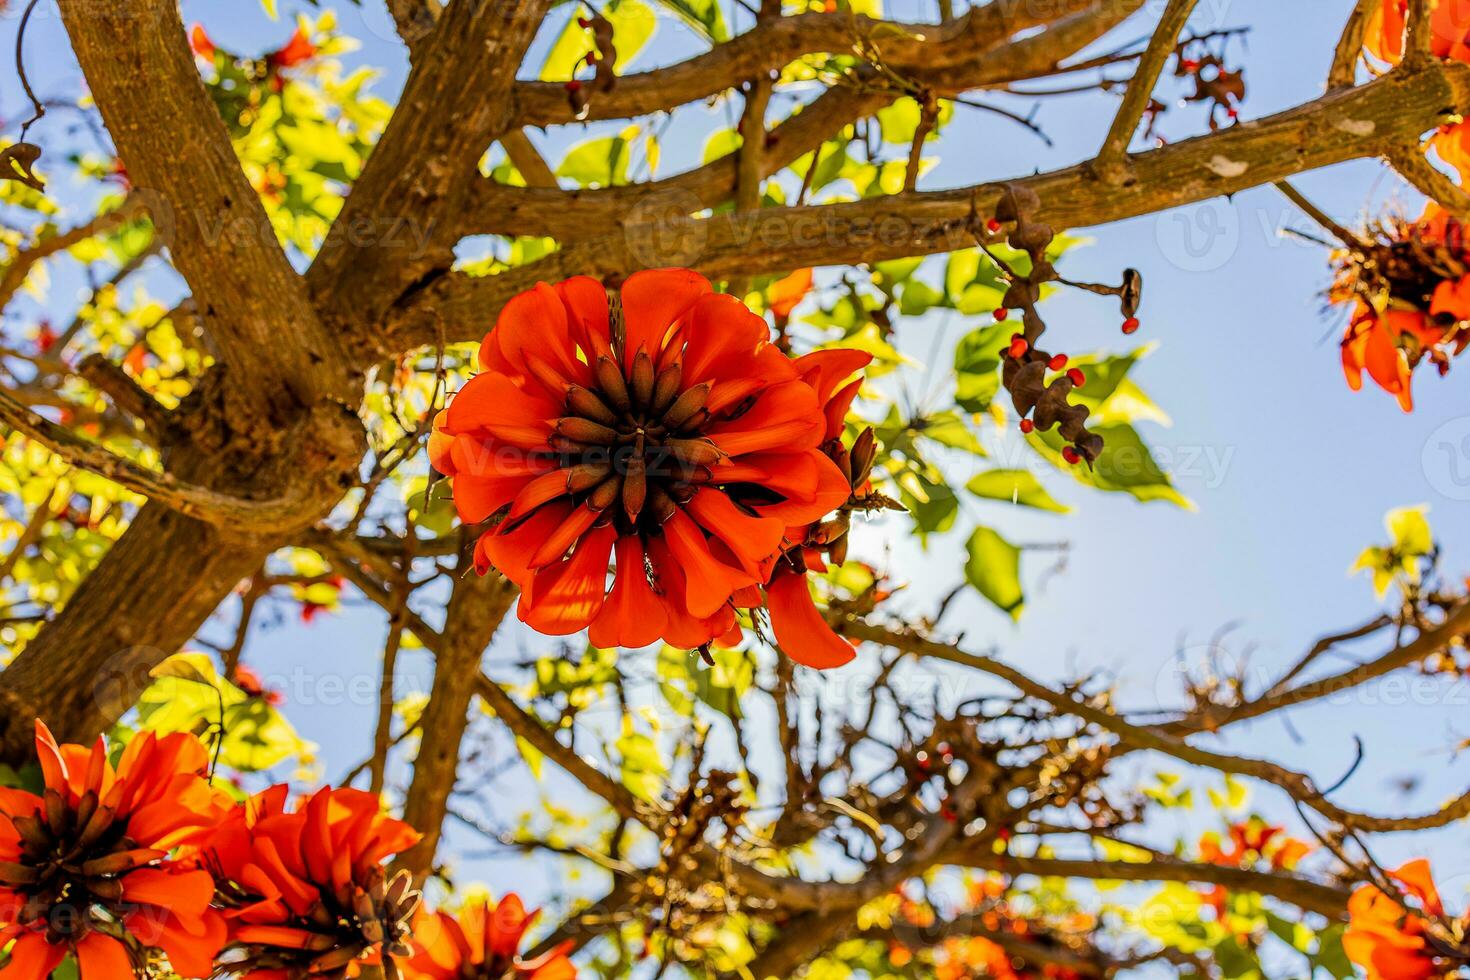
[(85, 867), (304, 892), (1409, 287), (481, 943), (1389, 940), (785, 294), (1449, 23), (656, 429), (295, 51), (200, 42)]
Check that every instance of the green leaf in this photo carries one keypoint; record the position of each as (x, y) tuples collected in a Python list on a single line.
[(705, 16), (994, 569), (977, 365), (633, 24), (948, 428), (1125, 465), (1018, 486), (1408, 528), (721, 142), (598, 162)]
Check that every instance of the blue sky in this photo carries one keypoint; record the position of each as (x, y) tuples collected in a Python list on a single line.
[(1290, 471)]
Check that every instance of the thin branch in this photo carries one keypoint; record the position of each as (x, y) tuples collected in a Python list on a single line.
[(1420, 33), (1350, 46), (1429, 180), (1322, 218), (527, 159), (1110, 164), (20, 267)]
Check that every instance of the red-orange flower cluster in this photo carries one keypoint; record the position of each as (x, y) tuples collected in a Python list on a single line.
[(1392, 942), (85, 867), (657, 429), (123, 868), (1449, 37), (1409, 286), (304, 891), (481, 943)]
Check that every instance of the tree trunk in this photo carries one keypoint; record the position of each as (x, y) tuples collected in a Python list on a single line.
[(475, 611)]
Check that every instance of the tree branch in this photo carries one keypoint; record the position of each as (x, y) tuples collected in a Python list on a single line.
[(179, 156), (1110, 164), (1345, 125), (198, 502), (1350, 46)]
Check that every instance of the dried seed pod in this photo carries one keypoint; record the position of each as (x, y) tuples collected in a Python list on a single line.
[(684, 407), (665, 389), (641, 380), (581, 401), (635, 488), (610, 382), (585, 431)]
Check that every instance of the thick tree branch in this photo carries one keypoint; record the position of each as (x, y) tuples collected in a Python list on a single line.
[(1350, 46), (179, 157), (774, 43), (476, 608), (1302, 892), (195, 501), (1340, 126), (396, 229)]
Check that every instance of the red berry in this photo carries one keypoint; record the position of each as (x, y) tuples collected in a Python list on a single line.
[(1019, 347), (1077, 378), (1057, 362), (574, 86), (1002, 313), (1071, 455), (583, 23), (1027, 426), (591, 58), (1130, 325), (993, 225)]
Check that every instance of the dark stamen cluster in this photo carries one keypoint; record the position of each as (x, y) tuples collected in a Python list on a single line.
[(379, 915), (71, 867), (632, 448)]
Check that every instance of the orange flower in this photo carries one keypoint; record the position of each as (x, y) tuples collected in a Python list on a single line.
[(296, 50), (669, 438), (785, 294), (304, 892), (85, 868), (1384, 937), (481, 944), (201, 43), (1449, 23), (1410, 294)]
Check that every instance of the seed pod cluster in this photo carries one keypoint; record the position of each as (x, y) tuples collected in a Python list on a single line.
[(1043, 404)]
